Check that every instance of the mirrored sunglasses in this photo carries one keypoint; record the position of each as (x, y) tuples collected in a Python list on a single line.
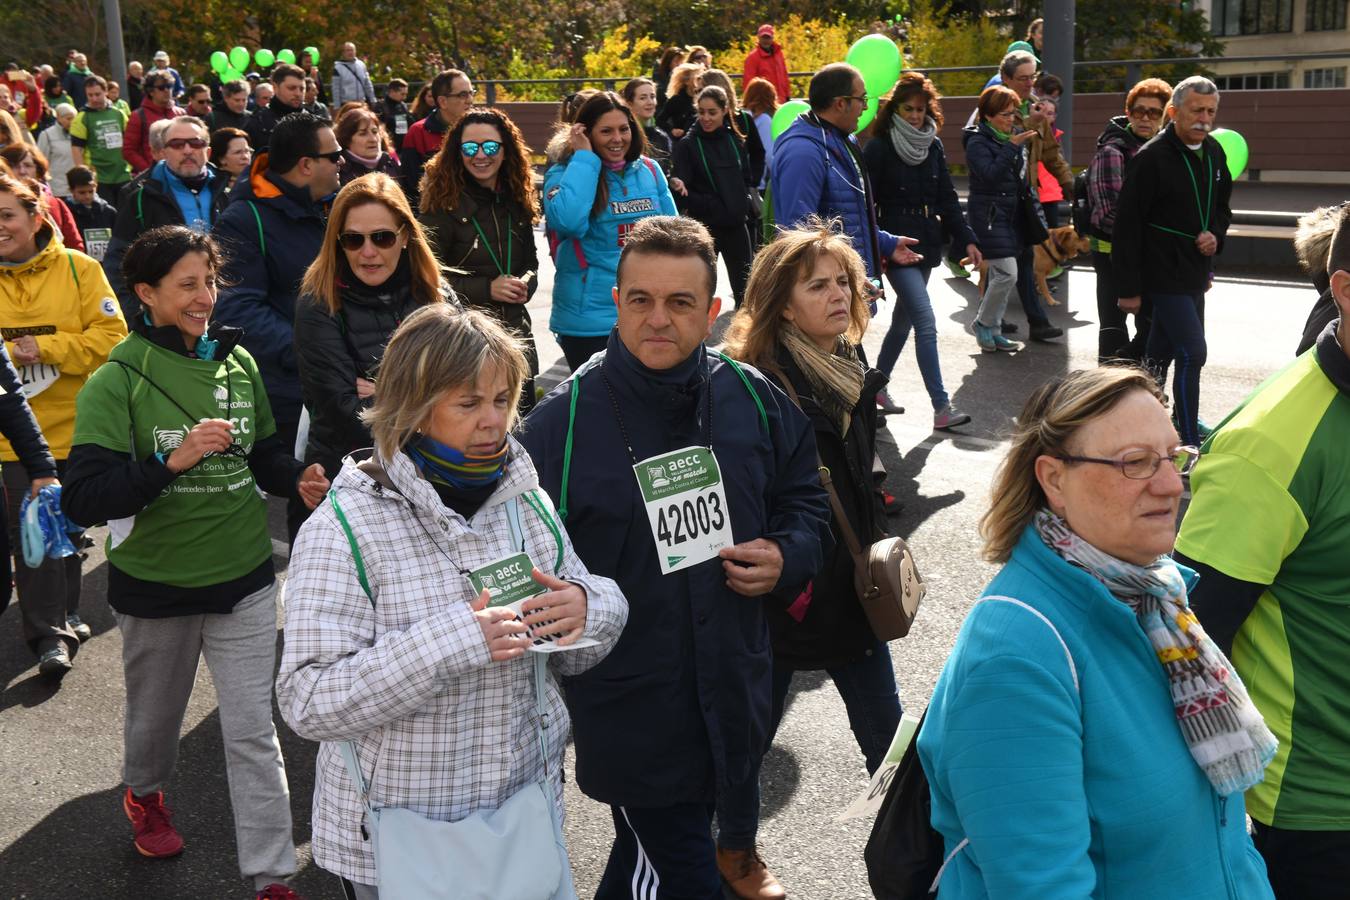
[(470, 148)]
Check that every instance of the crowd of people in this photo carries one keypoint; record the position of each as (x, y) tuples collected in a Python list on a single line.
[(292, 286)]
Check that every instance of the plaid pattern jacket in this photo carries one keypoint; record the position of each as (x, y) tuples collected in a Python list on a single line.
[(439, 728)]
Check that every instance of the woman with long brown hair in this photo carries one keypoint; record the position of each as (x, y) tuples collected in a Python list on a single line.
[(479, 207), (804, 315), (375, 267)]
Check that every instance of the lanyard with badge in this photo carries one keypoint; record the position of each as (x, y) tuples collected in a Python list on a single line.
[(683, 493), (1206, 210), (496, 260)]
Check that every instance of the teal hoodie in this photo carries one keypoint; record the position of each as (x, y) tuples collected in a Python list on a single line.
[(1065, 791)]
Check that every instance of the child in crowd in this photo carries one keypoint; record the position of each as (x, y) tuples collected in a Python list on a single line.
[(94, 216)]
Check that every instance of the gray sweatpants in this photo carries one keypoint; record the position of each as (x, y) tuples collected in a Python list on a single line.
[(159, 662), (1001, 288)]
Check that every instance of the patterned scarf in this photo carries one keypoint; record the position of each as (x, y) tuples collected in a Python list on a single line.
[(1223, 729), (836, 378), (911, 144), (442, 464)]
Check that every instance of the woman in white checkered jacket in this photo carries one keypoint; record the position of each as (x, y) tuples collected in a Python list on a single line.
[(432, 685)]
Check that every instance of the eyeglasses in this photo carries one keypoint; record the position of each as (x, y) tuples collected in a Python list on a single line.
[(1009, 113), (333, 156), (862, 99), (1146, 112), (1142, 465), (489, 148), (461, 95), (352, 241), (180, 143)]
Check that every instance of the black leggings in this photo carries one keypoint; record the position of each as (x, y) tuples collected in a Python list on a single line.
[(734, 246), (577, 349), (1114, 343)]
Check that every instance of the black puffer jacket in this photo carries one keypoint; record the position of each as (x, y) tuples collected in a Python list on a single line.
[(834, 630), (333, 351), (679, 112), (659, 147), (716, 169), (997, 179), (911, 198), (263, 122)]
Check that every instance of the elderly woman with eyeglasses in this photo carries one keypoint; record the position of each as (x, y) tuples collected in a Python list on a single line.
[(1086, 737)]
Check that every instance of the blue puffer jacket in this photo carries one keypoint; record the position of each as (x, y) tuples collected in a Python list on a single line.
[(680, 708), (586, 246), (818, 169), (271, 232), (997, 177), (1072, 790)]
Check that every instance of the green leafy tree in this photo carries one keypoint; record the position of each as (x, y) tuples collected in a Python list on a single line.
[(938, 38)]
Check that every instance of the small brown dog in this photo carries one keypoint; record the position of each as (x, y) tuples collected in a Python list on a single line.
[(1064, 244)]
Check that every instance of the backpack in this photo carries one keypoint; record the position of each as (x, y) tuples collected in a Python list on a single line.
[(1082, 204)]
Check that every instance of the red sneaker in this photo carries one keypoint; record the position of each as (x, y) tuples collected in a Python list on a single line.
[(278, 891), (152, 825)]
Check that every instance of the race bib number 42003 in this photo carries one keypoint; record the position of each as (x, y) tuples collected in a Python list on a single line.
[(686, 506)]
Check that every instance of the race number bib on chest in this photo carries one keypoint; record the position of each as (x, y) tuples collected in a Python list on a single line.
[(96, 242), (686, 506), (508, 581), (400, 124), (110, 135), (37, 378)]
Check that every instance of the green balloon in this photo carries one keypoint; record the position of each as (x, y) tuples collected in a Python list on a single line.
[(286, 56), (878, 58), (868, 114), (230, 74), (264, 58), (786, 115), (313, 55), (219, 61), (1235, 148), (239, 58)]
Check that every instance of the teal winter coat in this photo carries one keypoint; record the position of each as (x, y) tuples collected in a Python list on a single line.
[(1071, 791)]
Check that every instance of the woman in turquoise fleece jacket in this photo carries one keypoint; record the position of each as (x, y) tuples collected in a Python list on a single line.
[(1058, 764)]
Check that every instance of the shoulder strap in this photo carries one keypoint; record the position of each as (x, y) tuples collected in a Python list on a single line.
[(357, 559), (262, 240), (73, 274), (750, 388), (1073, 669)]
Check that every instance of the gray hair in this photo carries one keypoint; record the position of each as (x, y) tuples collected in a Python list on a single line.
[(1014, 61), (159, 130), (1197, 83), (64, 109)]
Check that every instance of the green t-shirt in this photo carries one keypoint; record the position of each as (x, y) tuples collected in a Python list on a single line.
[(209, 525), (101, 130), (1271, 506)]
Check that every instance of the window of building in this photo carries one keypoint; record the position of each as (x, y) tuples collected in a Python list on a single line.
[(1256, 81), (1324, 78), (1326, 15), (1237, 17)]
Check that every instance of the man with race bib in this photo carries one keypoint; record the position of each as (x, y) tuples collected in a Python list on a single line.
[(692, 482)]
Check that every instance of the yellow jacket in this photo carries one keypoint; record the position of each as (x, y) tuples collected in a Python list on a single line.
[(63, 299)]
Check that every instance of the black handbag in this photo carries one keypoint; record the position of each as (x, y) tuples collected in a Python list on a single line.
[(904, 852)]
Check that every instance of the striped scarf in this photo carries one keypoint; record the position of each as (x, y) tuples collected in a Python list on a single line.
[(1223, 729), (442, 464)]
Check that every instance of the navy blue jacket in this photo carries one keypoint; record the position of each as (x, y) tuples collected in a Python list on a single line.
[(911, 198), (680, 707), (997, 178), (266, 256)]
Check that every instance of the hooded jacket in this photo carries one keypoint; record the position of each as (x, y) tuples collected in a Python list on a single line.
[(586, 245), (680, 708), (60, 297), (439, 728), (998, 177), (1168, 186), (136, 139), (149, 202), (910, 199), (772, 67), (817, 169), (715, 168), (263, 122), (271, 232), (1116, 146)]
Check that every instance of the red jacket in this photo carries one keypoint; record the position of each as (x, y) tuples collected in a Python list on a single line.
[(29, 101), (771, 66), (136, 139), (65, 221)]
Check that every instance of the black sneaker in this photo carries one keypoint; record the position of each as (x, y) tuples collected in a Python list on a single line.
[(1046, 332), (55, 663), (77, 626), (1008, 327)]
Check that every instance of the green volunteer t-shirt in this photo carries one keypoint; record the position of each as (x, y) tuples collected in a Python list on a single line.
[(1271, 505), (102, 130), (209, 525)]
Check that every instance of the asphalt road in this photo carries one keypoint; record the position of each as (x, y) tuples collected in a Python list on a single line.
[(62, 831)]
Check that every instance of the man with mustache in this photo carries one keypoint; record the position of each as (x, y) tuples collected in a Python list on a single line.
[(1171, 219)]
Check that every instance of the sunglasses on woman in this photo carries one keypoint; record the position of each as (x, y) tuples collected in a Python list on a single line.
[(470, 148), (352, 241)]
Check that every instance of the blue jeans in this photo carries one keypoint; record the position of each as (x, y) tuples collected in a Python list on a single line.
[(1178, 333), (868, 690), (914, 310)]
